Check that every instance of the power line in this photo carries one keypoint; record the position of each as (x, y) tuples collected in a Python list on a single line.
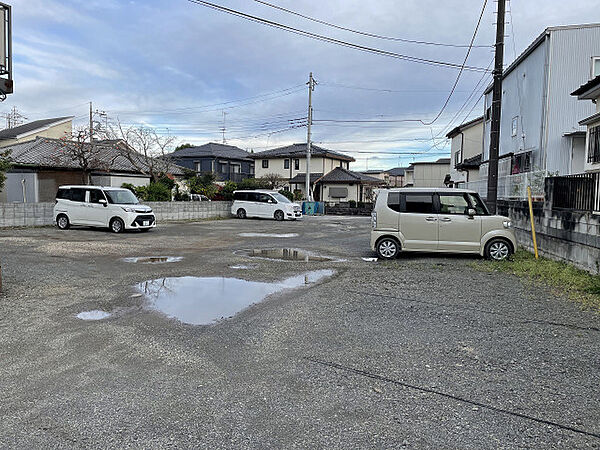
[(363, 33), (331, 40), (394, 91)]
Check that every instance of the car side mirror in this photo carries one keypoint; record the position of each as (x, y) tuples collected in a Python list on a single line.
[(269, 201), (471, 212), (103, 202)]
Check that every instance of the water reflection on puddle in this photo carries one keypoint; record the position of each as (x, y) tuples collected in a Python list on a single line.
[(274, 235), (202, 301), (94, 314), (284, 254), (152, 259)]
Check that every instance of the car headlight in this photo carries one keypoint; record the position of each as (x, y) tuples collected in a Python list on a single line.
[(126, 209), (507, 224)]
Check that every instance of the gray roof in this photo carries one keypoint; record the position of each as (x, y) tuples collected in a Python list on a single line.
[(470, 163), (301, 178), (463, 126), (396, 171), (12, 133), (439, 161), (300, 151), (341, 175), (50, 153), (211, 149)]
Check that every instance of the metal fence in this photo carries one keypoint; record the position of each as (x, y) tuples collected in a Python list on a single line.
[(579, 192), (512, 187)]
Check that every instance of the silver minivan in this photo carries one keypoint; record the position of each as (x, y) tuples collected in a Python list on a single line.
[(438, 220)]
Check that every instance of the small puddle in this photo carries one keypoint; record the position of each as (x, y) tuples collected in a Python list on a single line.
[(242, 267), (284, 254), (202, 301), (153, 259), (94, 314), (273, 235)]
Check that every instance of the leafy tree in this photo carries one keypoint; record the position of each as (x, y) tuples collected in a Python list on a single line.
[(228, 189), (203, 184), (157, 192), (5, 166), (182, 146)]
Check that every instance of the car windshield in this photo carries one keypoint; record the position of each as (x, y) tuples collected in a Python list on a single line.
[(121, 197), (281, 198)]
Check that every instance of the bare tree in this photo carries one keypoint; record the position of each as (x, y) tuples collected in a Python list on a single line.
[(75, 147), (145, 149), (272, 180)]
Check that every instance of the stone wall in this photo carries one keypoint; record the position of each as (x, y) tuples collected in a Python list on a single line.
[(561, 235), (39, 214)]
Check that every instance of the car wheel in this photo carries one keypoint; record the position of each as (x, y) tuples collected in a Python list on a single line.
[(62, 222), (497, 250), (117, 225), (241, 213), (388, 248), (279, 216)]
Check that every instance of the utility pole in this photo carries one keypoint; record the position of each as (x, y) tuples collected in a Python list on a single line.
[(492, 187), (91, 124), (311, 87), (223, 128)]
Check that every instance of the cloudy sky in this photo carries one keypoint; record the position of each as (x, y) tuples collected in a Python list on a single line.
[(187, 70)]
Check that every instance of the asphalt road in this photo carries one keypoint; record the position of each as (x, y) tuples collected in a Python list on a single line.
[(421, 352)]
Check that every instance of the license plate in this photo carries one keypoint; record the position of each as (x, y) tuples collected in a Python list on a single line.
[(146, 223)]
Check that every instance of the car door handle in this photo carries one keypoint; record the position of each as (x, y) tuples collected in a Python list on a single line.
[(430, 219), (445, 219)]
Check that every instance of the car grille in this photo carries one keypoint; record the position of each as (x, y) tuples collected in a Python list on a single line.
[(139, 220), (296, 209)]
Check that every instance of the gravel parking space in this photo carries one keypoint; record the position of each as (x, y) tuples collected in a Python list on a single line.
[(420, 352)]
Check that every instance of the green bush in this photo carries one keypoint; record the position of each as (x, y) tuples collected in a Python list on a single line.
[(204, 184), (297, 195), (252, 183), (227, 191), (288, 194), (352, 203), (5, 166), (157, 192)]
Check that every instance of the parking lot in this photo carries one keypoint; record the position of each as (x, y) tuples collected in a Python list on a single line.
[(424, 351)]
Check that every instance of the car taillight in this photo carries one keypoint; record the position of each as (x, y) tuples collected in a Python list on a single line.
[(374, 219)]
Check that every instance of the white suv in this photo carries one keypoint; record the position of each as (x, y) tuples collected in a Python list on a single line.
[(115, 208), (263, 203), (438, 220)]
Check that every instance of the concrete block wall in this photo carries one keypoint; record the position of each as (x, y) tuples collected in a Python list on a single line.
[(39, 214), (568, 236)]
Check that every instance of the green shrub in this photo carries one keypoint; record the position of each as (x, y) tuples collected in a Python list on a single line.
[(352, 203), (157, 192), (227, 190), (297, 195), (287, 194)]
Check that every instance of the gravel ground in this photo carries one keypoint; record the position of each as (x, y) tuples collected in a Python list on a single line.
[(420, 352)]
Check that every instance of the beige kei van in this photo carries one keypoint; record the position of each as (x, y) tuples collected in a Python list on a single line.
[(438, 220)]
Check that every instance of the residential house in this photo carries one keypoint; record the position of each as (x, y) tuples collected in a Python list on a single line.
[(466, 147), (383, 175), (289, 163), (343, 185), (591, 91), (539, 128), (42, 164), (58, 127), (227, 162), (409, 176), (431, 173), (397, 176)]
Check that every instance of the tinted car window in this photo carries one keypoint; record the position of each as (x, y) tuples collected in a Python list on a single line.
[(453, 204), (64, 194), (419, 203), (252, 197), (264, 198), (478, 204), (96, 195), (240, 196), (393, 201), (78, 194)]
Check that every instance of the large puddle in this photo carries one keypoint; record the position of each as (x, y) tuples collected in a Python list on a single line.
[(273, 235), (153, 259), (202, 301), (284, 254)]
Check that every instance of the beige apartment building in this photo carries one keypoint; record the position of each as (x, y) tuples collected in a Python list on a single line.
[(431, 173), (289, 163), (56, 128), (466, 148)]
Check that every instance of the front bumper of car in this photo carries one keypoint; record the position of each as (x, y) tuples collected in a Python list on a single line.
[(295, 213), (139, 220)]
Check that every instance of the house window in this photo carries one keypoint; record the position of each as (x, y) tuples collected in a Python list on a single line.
[(286, 163), (296, 164), (457, 157), (515, 126), (594, 145), (488, 113), (521, 163), (595, 66), (265, 163)]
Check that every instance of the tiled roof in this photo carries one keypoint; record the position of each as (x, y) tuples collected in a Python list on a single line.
[(12, 133), (341, 175), (50, 153), (211, 149), (397, 171), (470, 163), (301, 178), (299, 150)]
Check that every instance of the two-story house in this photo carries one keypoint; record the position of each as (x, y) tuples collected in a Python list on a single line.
[(465, 148), (227, 162), (591, 91), (55, 128), (539, 128), (289, 163)]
